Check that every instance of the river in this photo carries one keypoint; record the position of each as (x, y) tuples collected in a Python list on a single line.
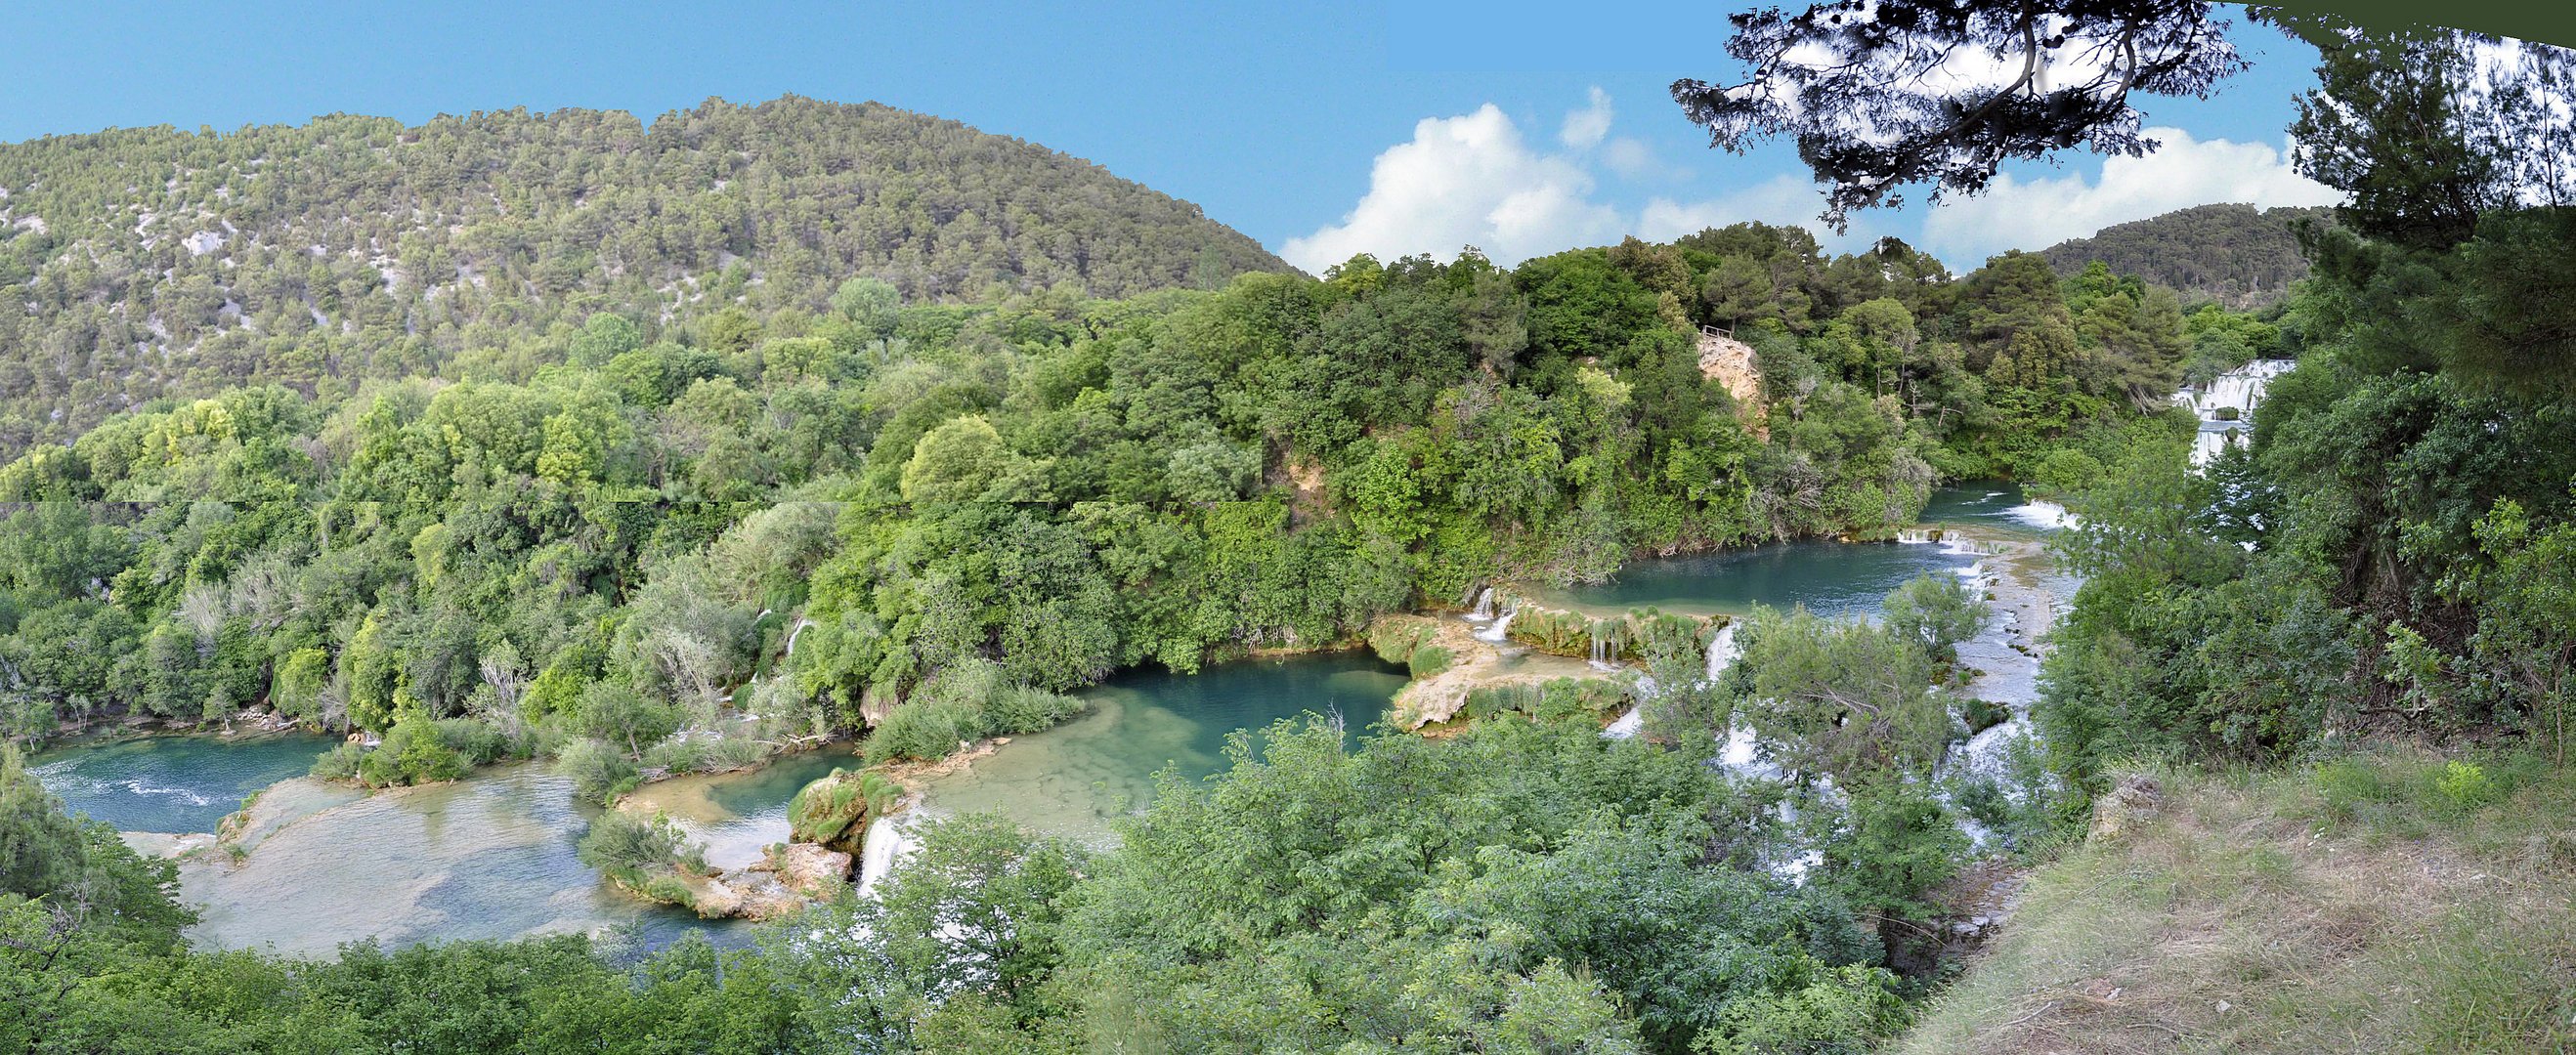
[(1071, 780), (1829, 578), (171, 784), (492, 856)]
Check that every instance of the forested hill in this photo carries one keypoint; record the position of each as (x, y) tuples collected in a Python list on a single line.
[(148, 262), (2236, 254)]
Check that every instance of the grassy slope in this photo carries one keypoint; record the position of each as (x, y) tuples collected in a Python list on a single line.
[(2360, 905)]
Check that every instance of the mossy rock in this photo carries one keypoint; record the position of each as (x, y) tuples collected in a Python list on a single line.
[(1630, 635), (1395, 638), (833, 812)]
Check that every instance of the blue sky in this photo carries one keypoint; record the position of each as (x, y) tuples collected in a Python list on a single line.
[(1315, 129)]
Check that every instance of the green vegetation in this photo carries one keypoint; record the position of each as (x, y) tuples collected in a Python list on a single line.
[(646, 544), (641, 531), (834, 811), (1556, 699), (2235, 254), (636, 851), (1564, 892), (1936, 612), (2354, 905), (154, 262), (2389, 563)]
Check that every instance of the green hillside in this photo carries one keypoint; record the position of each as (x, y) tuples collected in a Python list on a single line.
[(2236, 254), (153, 262)]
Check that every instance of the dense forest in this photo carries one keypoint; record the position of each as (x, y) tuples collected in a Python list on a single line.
[(614, 540), (2238, 255), (918, 515), (642, 546), (157, 262)]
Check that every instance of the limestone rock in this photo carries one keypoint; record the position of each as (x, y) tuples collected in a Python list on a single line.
[(806, 868), (2133, 802)]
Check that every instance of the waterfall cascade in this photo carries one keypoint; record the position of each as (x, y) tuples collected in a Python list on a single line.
[(1494, 631), (1918, 536), (889, 840), (2239, 389), (1482, 610), (2226, 408), (1722, 651), (2043, 514)]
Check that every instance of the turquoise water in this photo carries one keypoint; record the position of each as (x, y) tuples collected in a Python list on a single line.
[(1073, 779), (175, 784), (737, 815), (491, 856), (1992, 505), (1829, 578)]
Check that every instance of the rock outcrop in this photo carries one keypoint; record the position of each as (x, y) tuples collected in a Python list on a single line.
[(2135, 801), (1730, 362), (788, 877)]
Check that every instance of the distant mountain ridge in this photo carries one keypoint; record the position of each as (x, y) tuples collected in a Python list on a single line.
[(149, 262), (2236, 254)]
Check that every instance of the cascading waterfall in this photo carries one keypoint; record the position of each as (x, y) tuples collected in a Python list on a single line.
[(801, 624), (1918, 536), (889, 840), (1605, 640), (1722, 650), (1494, 632), (2226, 409), (2043, 514), (1483, 608)]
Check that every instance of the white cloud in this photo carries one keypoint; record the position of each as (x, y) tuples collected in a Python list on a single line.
[(1475, 180), (1585, 128), (1633, 159), (2183, 172), (1468, 180)]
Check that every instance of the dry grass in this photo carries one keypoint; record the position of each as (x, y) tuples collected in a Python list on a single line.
[(2354, 907)]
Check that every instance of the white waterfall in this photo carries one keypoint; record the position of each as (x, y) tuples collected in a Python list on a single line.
[(2240, 389), (1742, 756), (2044, 514), (1483, 609), (1628, 725), (2226, 409), (2216, 436), (801, 624), (1918, 536), (1600, 649), (1494, 631), (1722, 650), (888, 841)]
